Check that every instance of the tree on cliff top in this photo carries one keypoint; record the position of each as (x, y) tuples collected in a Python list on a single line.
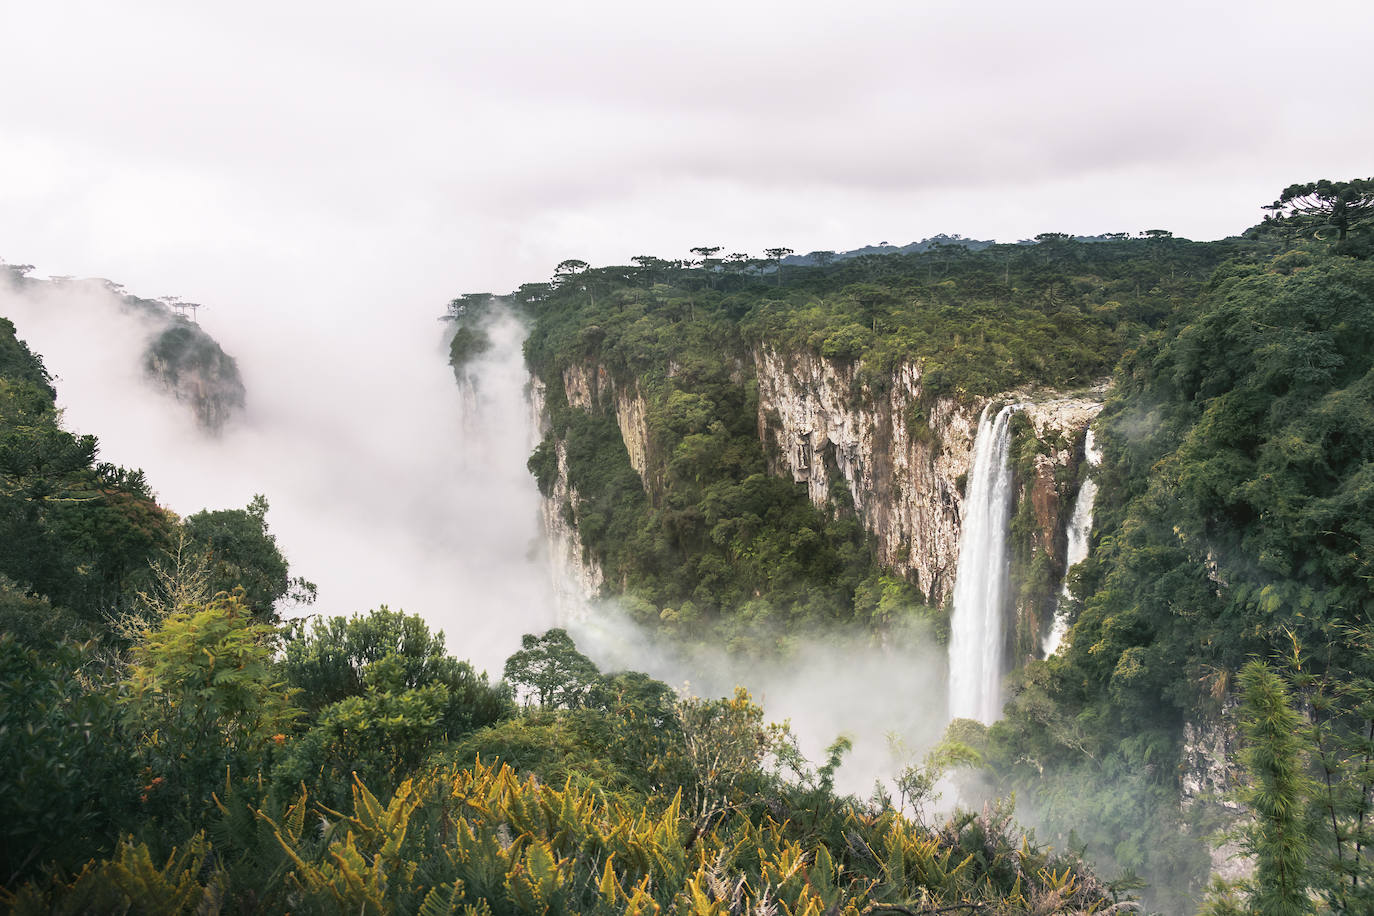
[(1324, 205)]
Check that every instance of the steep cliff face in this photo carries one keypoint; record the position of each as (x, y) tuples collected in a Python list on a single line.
[(1208, 778), (1049, 450), (588, 386), (898, 457), (902, 465), (190, 365), (577, 576), (903, 459), (1057, 424)]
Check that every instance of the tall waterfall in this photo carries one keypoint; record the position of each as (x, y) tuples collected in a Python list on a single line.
[(1080, 530), (980, 585)]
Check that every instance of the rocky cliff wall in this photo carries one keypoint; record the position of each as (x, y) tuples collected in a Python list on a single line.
[(902, 465), (588, 386), (1208, 779), (904, 458), (577, 577), (901, 458), (1048, 450), (190, 365)]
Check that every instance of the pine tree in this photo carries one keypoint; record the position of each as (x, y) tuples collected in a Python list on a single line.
[(1275, 759)]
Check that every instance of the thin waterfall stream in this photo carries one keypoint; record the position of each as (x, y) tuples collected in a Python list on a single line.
[(1080, 534), (977, 628)]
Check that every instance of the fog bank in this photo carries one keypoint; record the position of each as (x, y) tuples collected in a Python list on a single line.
[(380, 491)]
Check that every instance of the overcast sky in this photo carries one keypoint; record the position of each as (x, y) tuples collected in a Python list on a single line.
[(332, 157)]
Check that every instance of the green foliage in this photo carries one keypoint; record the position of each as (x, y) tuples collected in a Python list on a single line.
[(480, 841), (543, 464), (727, 746), (708, 542), (202, 700), (1308, 755), (62, 768), (75, 531), (34, 622), (550, 671), (1324, 207), (382, 692), (468, 343), (1233, 511), (242, 553), (19, 364), (1275, 760), (330, 658)]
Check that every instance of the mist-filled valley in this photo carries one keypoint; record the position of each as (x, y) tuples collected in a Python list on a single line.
[(1003, 578)]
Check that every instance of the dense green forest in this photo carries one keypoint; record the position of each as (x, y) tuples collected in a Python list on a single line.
[(169, 744)]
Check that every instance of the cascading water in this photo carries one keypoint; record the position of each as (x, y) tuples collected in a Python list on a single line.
[(980, 585), (1080, 530)]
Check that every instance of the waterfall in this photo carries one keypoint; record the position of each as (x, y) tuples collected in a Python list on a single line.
[(977, 632), (1080, 529)]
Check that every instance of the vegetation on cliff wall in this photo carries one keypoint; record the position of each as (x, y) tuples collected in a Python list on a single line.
[(707, 541), (720, 547), (1233, 516)]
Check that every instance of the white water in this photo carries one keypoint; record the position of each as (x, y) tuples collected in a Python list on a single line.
[(1080, 530), (977, 631)]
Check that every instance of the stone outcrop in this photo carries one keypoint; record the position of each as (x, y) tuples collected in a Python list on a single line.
[(1046, 487), (577, 577), (1208, 778), (1058, 424), (903, 466), (188, 364), (590, 385), (902, 458)]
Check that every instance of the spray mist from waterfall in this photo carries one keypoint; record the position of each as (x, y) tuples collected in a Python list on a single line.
[(977, 630), (1080, 533)]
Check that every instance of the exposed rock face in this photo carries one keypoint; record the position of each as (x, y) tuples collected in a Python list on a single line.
[(190, 365), (904, 464), (1048, 482), (1208, 776), (1058, 424), (903, 467), (588, 386), (901, 458), (577, 577)]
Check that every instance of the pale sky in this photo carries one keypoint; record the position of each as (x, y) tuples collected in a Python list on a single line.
[(344, 158)]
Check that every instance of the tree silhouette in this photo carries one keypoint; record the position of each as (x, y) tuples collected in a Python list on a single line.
[(777, 254), (1323, 205)]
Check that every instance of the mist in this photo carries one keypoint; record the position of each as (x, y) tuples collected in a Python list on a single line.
[(887, 697), (386, 485)]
